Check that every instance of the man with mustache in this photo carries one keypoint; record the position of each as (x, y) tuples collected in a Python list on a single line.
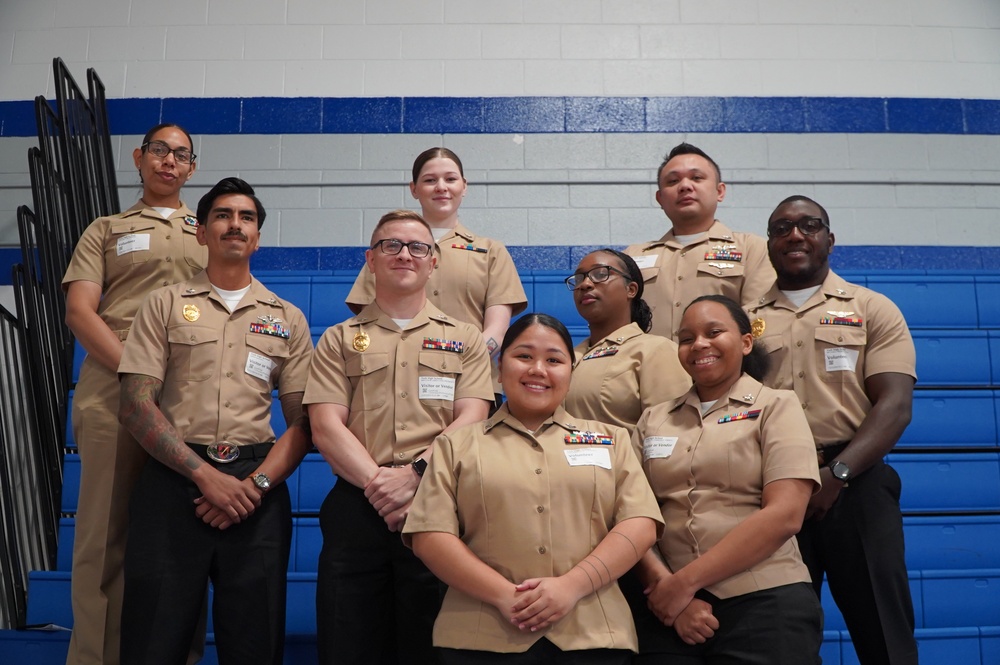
[(699, 255), (848, 355), (196, 379)]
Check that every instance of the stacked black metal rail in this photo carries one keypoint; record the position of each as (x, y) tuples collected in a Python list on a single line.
[(72, 182)]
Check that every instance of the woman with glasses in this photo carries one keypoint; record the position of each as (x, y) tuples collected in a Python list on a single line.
[(116, 263), (620, 370), (475, 280), (529, 517), (732, 464)]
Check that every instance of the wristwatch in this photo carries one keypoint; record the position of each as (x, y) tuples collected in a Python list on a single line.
[(262, 482), (840, 471), (419, 465)]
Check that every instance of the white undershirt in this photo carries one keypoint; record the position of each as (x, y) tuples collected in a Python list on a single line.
[(800, 297), (439, 233), (165, 212), (686, 240), (706, 406), (231, 298), (402, 323)]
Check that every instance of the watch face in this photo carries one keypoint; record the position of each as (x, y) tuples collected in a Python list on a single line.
[(262, 481), (840, 471), (420, 465)]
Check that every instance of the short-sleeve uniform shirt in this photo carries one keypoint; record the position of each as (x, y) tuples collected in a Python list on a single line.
[(219, 368), (620, 376), (729, 263), (399, 385), (532, 505), (826, 349), (472, 273), (709, 472), (133, 253)]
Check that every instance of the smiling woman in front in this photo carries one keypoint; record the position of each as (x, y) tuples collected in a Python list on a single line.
[(733, 465), (530, 517)]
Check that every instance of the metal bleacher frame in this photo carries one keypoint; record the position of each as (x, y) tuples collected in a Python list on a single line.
[(72, 181)]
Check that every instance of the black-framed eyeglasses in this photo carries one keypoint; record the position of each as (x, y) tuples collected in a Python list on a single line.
[(393, 246), (596, 275), (808, 226), (161, 150)]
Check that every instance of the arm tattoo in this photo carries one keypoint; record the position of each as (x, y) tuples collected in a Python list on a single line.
[(139, 412)]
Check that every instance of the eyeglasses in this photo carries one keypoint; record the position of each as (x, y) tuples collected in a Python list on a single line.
[(392, 246), (161, 150), (596, 275), (809, 226)]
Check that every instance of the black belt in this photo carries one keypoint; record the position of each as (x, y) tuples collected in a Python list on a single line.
[(224, 453), (826, 454)]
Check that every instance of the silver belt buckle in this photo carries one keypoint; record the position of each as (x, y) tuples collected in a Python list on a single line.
[(223, 453)]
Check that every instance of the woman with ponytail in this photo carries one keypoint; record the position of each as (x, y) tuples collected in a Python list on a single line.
[(620, 370)]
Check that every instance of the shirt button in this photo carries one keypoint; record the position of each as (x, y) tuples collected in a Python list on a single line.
[(403, 426), (540, 509), (798, 316), (403, 336), (168, 236), (677, 304), (801, 374), (400, 455), (538, 472), (270, 349), (534, 444), (805, 406), (402, 364), (436, 267), (689, 449), (168, 259), (362, 366), (840, 339), (436, 292), (192, 338), (798, 343), (541, 549), (680, 278), (403, 394), (166, 283), (226, 405), (684, 253), (229, 375), (231, 346)]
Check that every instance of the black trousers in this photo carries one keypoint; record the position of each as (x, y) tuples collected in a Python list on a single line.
[(541, 652), (375, 600), (859, 545), (779, 626), (170, 557)]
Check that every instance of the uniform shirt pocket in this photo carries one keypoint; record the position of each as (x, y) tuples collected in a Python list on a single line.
[(193, 352), (265, 354), (438, 371), (192, 250), (369, 377), (839, 350), (780, 372), (131, 242)]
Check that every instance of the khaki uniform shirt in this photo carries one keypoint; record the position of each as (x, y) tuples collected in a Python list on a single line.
[(133, 253), (709, 476), (218, 369), (518, 503), (400, 389), (725, 262), (622, 375), (826, 349)]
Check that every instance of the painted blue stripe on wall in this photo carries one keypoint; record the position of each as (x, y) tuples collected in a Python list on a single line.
[(566, 257), (493, 115)]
